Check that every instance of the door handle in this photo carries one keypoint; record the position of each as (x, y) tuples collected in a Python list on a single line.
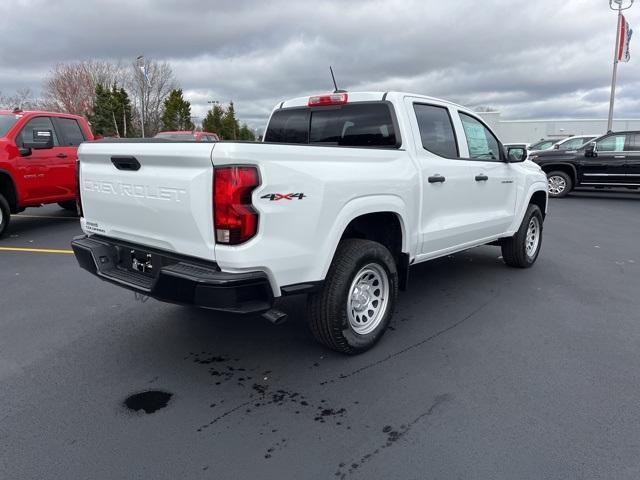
[(62, 155), (436, 179), (125, 163), (481, 178), (619, 156)]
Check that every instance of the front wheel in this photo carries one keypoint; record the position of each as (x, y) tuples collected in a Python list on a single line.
[(560, 184), (523, 248), (353, 309)]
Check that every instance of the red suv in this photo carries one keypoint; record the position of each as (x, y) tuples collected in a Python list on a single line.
[(38, 154)]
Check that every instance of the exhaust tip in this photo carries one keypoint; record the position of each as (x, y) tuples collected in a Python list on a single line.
[(276, 317)]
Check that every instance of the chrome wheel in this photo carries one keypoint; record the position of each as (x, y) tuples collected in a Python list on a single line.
[(557, 185), (368, 298), (533, 237)]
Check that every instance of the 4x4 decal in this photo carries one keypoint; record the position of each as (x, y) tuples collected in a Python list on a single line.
[(274, 197)]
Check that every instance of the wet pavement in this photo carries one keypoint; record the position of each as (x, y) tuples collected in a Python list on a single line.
[(486, 371)]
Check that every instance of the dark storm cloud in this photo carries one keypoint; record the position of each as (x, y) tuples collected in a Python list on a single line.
[(543, 58)]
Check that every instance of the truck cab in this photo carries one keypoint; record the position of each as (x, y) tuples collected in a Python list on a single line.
[(38, 155)]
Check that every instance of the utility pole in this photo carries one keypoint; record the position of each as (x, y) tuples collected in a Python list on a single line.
[(619, 8)]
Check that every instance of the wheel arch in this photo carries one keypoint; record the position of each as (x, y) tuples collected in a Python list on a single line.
[(537, 193), (563, 167), (540, 198), (9, 190), (380, 218)]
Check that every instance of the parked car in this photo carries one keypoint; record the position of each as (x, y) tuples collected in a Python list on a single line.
[(517, 145), (38, 154), (189, 136), (612, 160), (346, 192), (543, 144), (573, 142)]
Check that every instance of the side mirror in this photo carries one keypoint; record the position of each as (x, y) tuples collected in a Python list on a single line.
[(516, 154), (590, 150), (42, 139), (556, 147)]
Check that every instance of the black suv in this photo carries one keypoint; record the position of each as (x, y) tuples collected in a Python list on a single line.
[(612, 160)]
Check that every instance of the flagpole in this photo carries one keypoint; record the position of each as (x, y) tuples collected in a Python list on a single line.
[(615, 70), (615, 59)]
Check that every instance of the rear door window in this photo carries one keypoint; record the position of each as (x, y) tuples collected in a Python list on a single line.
[(436, 130), (70, 131), (351, 125), (634, 143), (289, 126)]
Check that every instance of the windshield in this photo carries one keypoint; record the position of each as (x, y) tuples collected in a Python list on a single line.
[(6, 122), (176, 137)]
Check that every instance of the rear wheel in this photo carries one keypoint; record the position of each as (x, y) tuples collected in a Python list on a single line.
[(69, 205), (353, 309), (5, 215), (523, 248), (560, 184)]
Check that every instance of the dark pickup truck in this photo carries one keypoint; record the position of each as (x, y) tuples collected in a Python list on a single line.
[(610, 161)]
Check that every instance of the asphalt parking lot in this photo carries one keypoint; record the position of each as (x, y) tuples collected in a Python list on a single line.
[(487, 372)]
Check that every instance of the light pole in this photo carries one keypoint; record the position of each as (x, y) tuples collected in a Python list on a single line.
[(140, 65), (619, 8)]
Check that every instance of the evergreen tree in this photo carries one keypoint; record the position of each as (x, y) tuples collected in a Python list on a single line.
[(213, 120), (245, 133), (101, 122), (177, 112), (229, 124), (111, 112), (122, 112)]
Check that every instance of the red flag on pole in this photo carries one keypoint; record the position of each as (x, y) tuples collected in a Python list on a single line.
[(625, 37)]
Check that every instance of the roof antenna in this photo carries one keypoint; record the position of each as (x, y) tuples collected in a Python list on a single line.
[(337, 90)]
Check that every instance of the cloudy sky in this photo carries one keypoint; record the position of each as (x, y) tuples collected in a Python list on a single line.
[(528, 58)]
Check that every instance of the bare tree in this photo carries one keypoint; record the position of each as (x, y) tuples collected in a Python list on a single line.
[(484, 108), (149, 85), (71, 87), (23, 99)]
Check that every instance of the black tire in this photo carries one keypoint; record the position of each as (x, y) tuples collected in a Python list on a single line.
[(69, 205), (327, 309), (555, 192), (514, 249), (5, 216)]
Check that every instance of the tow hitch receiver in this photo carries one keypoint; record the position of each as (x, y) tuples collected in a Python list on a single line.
[(141, 262)]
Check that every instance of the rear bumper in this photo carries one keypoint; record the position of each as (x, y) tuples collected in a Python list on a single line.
[(175, 278)]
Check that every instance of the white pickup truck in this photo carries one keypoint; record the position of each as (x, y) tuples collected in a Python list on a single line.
[(346, 191)]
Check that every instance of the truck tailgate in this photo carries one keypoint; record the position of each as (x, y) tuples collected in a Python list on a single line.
[(164, 203)]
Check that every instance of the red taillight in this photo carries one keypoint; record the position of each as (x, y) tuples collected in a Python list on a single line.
[(331, 99), (235, 219), (78, 199)]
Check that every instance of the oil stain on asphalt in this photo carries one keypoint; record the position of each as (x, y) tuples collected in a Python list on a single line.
[(149, 401), (261, 395), (393, 435)]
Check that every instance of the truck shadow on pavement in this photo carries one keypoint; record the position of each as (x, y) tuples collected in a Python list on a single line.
[(26, 224), (602, 195)]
